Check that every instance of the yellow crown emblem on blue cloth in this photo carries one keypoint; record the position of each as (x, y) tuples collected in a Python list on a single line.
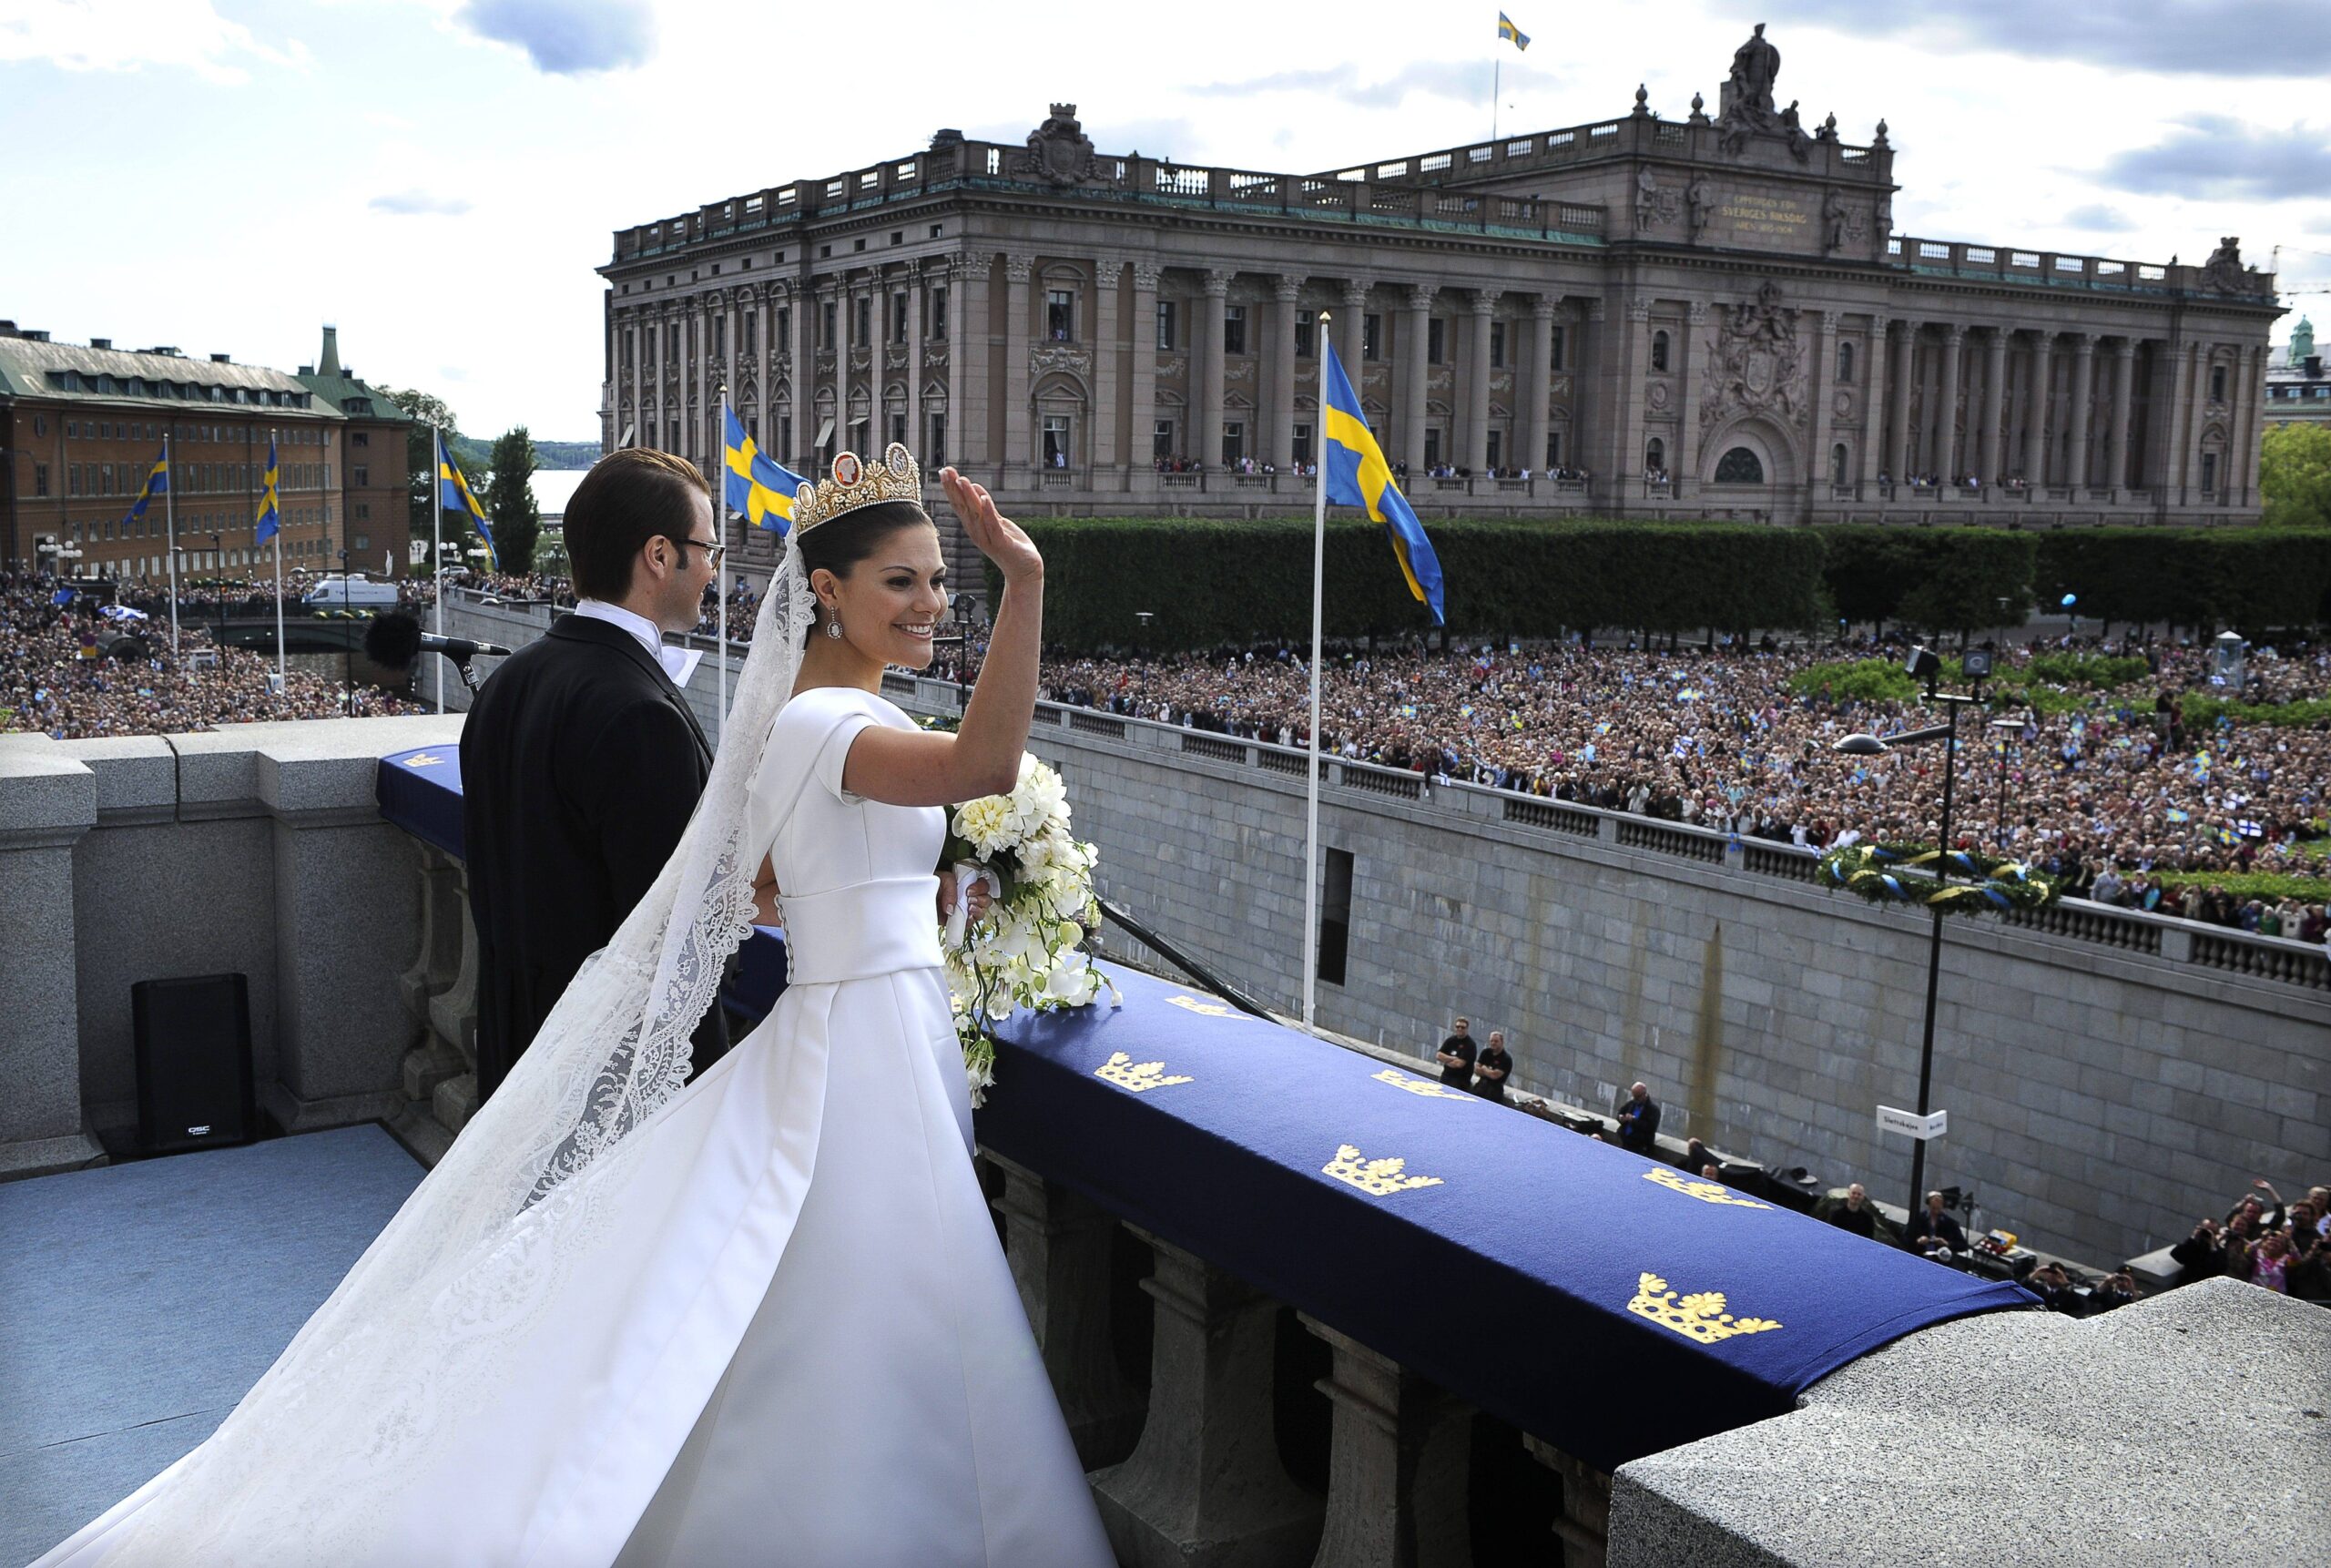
[(1705, 1191), (1700, 1316), (1378, 1178), (1139, 1076), (855, 483)]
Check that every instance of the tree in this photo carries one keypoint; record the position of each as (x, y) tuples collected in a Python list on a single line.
[(510, 502), (2295, 475), (425, 409)]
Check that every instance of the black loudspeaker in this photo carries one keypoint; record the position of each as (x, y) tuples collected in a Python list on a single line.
[(194, 1063)]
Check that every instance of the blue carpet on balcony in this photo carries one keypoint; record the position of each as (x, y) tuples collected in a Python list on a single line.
[(139, 1302)]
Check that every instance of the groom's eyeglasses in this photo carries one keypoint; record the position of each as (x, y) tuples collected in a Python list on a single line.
[(719, 551)]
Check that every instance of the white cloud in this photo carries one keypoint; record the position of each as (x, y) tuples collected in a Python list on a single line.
[(419, 203), (568, 37), (131, 35)]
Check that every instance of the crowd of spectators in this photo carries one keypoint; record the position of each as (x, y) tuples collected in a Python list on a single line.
[(69, 672), (2286, 1249), (2111, 795)]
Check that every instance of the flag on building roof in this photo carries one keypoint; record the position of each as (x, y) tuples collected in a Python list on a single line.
[(454, 491), (755, 484), (1506, 29), (271, 510), (1357, 475)]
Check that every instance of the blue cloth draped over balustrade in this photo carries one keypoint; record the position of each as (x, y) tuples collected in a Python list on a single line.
[(1602, 1301)]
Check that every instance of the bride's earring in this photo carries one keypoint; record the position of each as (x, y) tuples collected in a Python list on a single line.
[(834, 627)]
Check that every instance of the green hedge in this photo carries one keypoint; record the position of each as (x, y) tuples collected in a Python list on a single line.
[(2276, 885), (1207, 581)]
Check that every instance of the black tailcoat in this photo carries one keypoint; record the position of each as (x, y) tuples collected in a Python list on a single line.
[(581, 765)]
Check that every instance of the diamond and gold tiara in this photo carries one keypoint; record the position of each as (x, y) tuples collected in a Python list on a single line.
[(898, 477)]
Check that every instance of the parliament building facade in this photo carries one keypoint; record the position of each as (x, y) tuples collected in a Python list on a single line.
[(1703, 317)]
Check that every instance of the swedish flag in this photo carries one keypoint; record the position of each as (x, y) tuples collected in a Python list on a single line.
[(454, 491), (1506, 29), (1357, 475), (270, 513), (754, 484), (156, 481)]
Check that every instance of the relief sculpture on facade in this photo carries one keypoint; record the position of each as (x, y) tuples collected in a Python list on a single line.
[(1059, 152), (1047, 359), (1756, 365)]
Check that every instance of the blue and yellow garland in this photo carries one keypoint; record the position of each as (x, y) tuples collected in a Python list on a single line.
[(1873, 870)]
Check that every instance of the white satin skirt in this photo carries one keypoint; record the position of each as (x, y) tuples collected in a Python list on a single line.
[(789, 1338)]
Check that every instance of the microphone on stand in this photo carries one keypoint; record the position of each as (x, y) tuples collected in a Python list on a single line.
[(396, 640)]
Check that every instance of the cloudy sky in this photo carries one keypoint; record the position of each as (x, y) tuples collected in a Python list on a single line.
[(440, 176)]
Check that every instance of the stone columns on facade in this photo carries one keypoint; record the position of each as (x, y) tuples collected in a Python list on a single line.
[(1873, 401), (1945, 446), (803, 346), (970, 355), (1106, 410), (1535, 361), (1018, 446), (1820, 380), (2117, 434), (1204, 1488), (1477, 397), (1683, 456), (2036, 399), (1351, 339), (1144, 361), (1058, 1245), (1987, 446), (1416, 373), (913, 410), (1278, 415), (1397, 1465), (2243, 429), (1208, 362), (1903, 361), (2083, 388), (1635, 370)]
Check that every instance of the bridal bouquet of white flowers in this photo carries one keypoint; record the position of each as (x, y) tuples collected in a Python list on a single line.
[(1027, 951)]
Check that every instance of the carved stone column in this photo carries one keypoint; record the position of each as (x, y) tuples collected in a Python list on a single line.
[(2036, 398), (452, 1020), (1352, 335), (1536, 361), (1018, 458), (1986, 447), (1584, 1524), (2246, 429), (1143, 371), (1873, 401), (803, 346), (1413, 338), (2116, 433), (1631, 388), (1058, 1244), (436, 963), (1204, 1488), (1820, 380), (2083, 388), (1477, 383), (1590, 359), (1945, 445), (1397, 1465), (1107, 439), (1904, 364), (1208, 360), (1684, 458), (915, 359), (1279, 422)]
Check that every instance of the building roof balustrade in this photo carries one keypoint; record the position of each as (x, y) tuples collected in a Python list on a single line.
[(2054, 269)]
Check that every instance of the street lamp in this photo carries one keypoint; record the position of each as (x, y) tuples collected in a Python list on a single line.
[(1925, 664)]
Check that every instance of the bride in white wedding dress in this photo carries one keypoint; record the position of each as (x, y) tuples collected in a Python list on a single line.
[(760, 1319)]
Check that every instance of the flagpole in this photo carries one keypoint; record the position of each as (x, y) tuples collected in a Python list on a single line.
[(282, 674), (1312, 763), (1497, 65), (437, 550), (720, 566), (171, 531)]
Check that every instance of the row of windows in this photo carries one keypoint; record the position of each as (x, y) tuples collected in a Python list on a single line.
[(193, 478), (2294, 392), (1060, 320), (199, 560), (191, 527), (141, 386), (680, 337), (146, 430)]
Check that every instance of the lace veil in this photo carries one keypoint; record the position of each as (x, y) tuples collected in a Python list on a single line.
[(409, 1341)]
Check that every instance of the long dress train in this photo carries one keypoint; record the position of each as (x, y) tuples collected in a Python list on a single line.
[(780, 1329)]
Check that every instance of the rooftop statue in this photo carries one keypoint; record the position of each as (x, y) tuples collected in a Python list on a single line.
[(1748, 93)]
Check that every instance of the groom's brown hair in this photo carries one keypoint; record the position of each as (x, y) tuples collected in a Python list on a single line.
[(628, 498)]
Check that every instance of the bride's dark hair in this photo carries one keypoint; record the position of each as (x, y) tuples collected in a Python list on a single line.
[(839, 546)]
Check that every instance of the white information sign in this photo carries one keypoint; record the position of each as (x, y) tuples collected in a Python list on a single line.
[(1910, 1125)]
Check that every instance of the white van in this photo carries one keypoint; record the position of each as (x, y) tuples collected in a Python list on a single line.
[(356, 592)]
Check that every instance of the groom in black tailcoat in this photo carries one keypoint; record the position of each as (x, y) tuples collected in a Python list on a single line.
[(581, 762)]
